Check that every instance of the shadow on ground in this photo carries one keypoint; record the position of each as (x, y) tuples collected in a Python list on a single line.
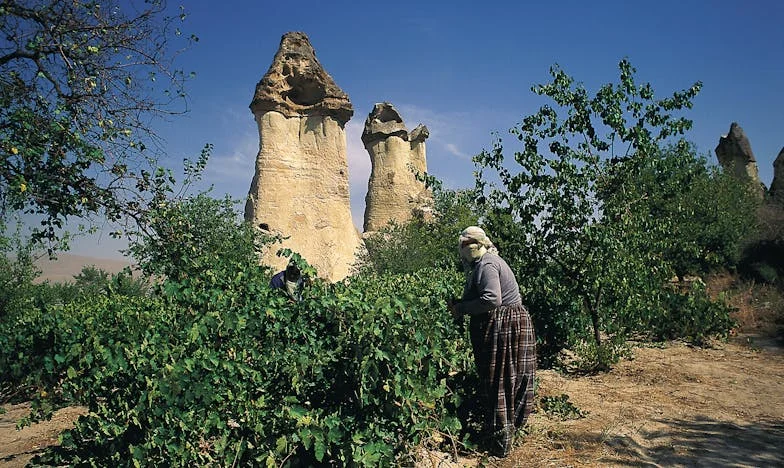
[(703, 442), (759, 342)]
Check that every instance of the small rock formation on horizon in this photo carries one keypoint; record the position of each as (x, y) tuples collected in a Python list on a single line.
[(300, 186), (396, 157), (776, 191), (735, 156)]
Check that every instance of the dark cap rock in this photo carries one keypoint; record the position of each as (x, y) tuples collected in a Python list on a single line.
[(420, 133), (382, 122), (735, 156), (296, 84), (734, 146)]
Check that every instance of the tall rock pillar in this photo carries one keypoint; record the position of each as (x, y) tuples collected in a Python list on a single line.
[(396, 156), (735, 155), (300, 186)]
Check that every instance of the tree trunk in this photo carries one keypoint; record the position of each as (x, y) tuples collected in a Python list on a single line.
[(593, 310)]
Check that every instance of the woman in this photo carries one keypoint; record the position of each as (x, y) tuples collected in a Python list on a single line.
[(502, 337)]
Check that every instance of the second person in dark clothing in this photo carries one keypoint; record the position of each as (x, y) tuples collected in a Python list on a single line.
[(290, 281)]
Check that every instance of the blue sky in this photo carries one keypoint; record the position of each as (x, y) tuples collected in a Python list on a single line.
[(465, 70)]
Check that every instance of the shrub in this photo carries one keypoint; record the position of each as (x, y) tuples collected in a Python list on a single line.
[(762, 258), (214, 368), (604, 201), (17, 270), (185, 237), (228, 371), (693, 316), (422, 242), (559, 406)]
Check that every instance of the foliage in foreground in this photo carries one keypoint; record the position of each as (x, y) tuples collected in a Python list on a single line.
[(217, 368), (32, 316), (232, 372)]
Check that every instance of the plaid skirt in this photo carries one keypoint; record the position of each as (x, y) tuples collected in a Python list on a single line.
[(504, 348)]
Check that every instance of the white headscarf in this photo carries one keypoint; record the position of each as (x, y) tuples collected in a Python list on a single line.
[(482, 244)]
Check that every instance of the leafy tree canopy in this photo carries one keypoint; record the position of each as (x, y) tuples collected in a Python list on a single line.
[(79, 83), (587, 206)]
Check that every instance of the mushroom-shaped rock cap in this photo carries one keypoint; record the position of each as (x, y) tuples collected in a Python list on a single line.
[(296, 84), (734, 145), (382, 122), (777, 186)]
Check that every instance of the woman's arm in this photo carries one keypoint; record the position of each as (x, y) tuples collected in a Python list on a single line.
[(488, 284)]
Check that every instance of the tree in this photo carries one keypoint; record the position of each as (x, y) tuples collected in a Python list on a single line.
[(186, 238), (762, 259), (91, 278), (17, 269), (422, 242), (709, 212), (79, 82), (583, 243)]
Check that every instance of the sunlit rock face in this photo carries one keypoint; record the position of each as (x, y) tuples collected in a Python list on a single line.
[(735, 156), (394, 193), (300, 186)]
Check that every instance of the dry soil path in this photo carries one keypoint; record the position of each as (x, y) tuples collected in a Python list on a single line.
[(668, 407)]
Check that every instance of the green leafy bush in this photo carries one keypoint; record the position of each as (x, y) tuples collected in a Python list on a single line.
[(17, 270), (186, 237), (693, 316), (228, 371), (762, 259), (92, 280), (763, 273), (423, 242), (559, 406), (215, 368), (707, 214)]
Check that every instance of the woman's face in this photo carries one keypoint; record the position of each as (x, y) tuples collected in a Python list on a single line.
[(468, 249)]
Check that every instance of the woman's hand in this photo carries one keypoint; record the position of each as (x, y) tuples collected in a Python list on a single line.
[(456, 315)]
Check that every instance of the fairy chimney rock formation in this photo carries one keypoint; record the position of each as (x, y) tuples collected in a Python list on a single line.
[(396, 156), (777, 186), (300, 187), (735, 156)]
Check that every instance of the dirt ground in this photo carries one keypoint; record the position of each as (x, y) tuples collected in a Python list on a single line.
[(675, 406), (668, 407), (17, 447)]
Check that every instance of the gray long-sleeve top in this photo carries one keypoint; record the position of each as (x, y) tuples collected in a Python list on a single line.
[(492, 284)]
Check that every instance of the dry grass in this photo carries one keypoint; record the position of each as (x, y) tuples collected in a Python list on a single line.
[(675, 406), (759, 308)]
